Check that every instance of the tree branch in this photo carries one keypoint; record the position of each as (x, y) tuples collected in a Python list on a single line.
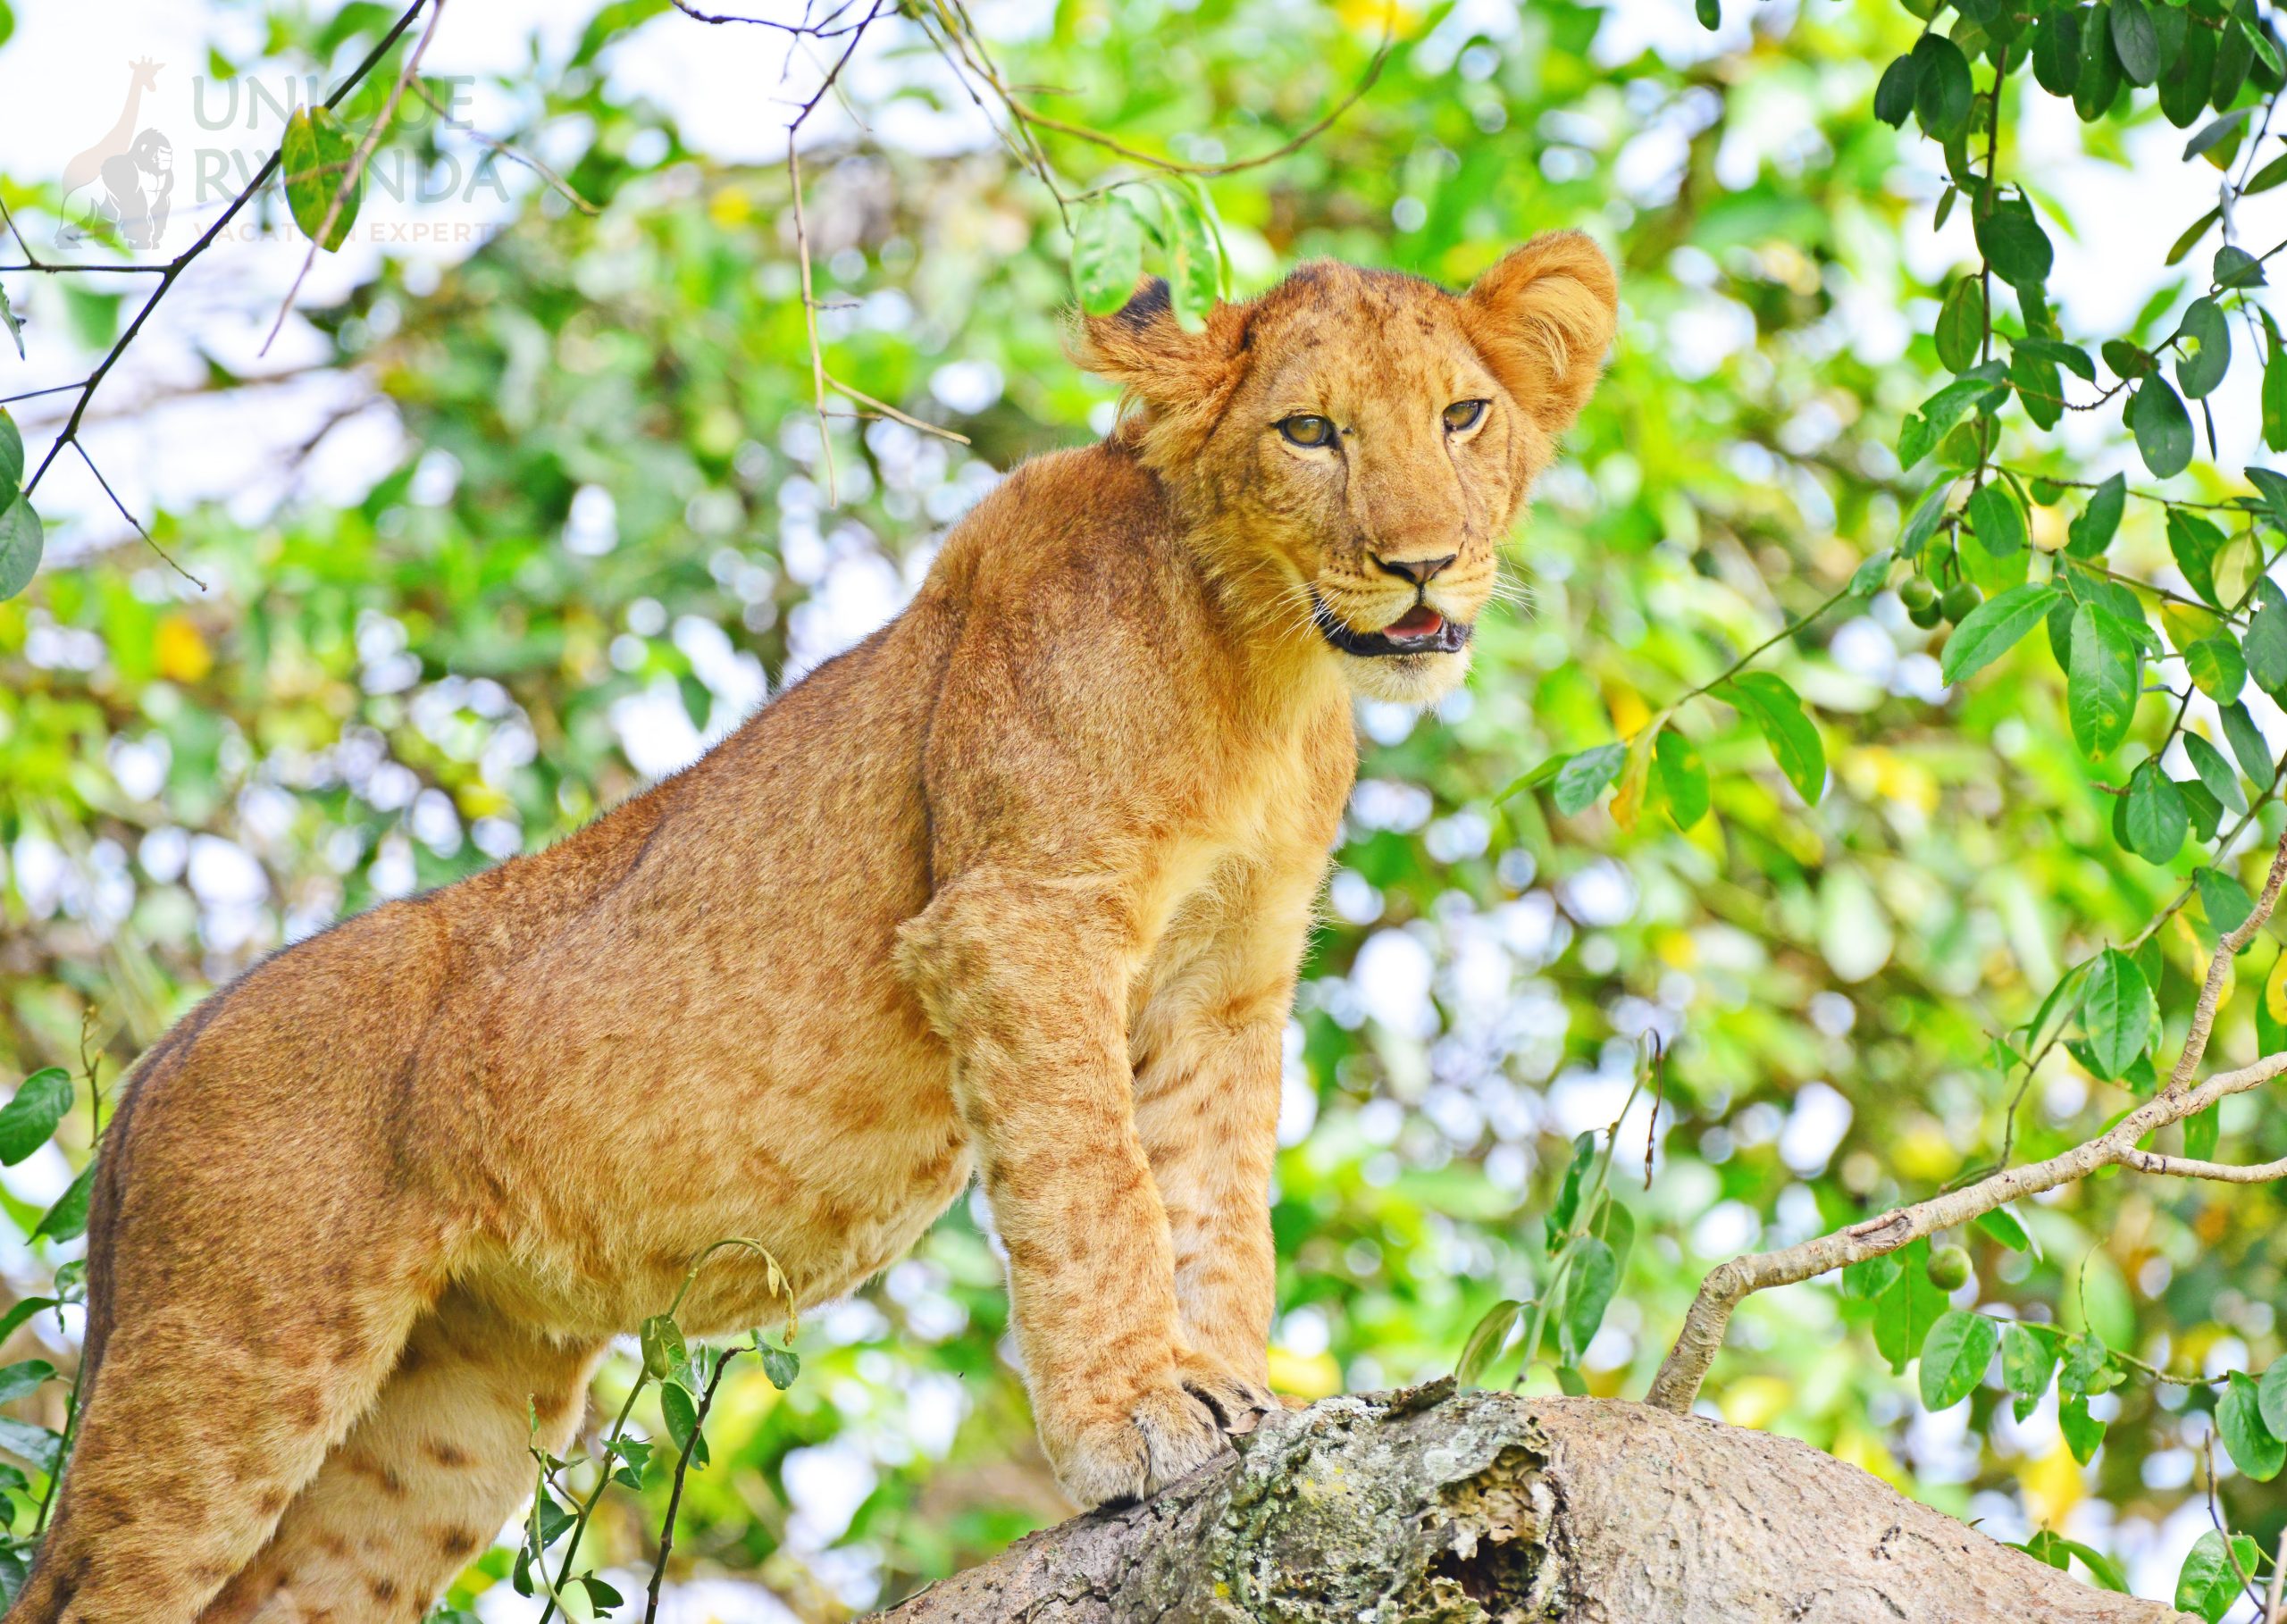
[(1679, 1377), (1431, 1504)]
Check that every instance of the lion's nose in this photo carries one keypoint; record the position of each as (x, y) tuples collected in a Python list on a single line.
[(1418, 571)]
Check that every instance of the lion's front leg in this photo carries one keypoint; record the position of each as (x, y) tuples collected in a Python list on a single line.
[(1026, 979), (1207, 1111)]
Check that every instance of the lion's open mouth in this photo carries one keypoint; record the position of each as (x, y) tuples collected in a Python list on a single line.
[(1420, 630)]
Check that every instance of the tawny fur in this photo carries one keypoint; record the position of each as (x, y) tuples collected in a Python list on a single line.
[(1019, 883)]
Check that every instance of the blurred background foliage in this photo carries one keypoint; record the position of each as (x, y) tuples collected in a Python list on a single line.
[(607, 540)]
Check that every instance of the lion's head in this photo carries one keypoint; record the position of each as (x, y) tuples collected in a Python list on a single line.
[(1351, 447)]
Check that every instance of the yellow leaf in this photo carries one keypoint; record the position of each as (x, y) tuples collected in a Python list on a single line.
[(1629, 711), (2274, 990), (1636, 775), (183, 656)]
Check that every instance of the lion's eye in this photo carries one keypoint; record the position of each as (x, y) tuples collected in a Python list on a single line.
[(1304, 429), (1463, 415)]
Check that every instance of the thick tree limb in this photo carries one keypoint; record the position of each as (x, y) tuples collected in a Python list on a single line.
[(1427, 1507)]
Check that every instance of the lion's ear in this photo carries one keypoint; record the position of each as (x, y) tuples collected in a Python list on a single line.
[(1542, 318), (1183, 378)]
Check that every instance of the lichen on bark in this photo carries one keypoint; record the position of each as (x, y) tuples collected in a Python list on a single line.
[(1430, 1506)]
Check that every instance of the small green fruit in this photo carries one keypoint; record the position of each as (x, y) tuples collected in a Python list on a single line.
[(1926, 615), (1948, 1269), (1960, 599), (1917, 591)]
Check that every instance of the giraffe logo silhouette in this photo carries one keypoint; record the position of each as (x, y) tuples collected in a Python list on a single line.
[(122, 187)]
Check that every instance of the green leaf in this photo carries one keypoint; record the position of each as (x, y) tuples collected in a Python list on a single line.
[(1486, 1340), (2013, 244), (2056, 50), (1961, 325), (67, 1220), (28, 1121), (2215, 130), (2266, 643), (2100, 1567), (1794, 740), (680, 1411), (2136, 41), (2028, 1360), (2072, 357), (2037, 389), (13, 323), (781, 1365), (12, 457), (1923, 521), (1995, 626), (2092, 531), (1903, 1314), (2194, 543), (1954, 1356), (21, 541), (314, 160), (2157, 417), (1682, 777), (2117, 1012), (2082, 1431), (2200, 1132), (2215, 772), (2274, 384), (2101, 684), (2224, 899), (2274, 489), (2271, 1398), (1538, 776), (2247, 744), (1587, 1292), (2209, 335), (2207, 1584), (2237, 268), (1993, 514), (2004, 1226), (1107, 254), (1869, 1277), (36, 1446), (1942, 87), (1587, 776), (2216, 665), (1868, 578), (666, 1355), (1195, 266), (2156, 816), (18, 1379), (2098, 86), (1710, 14), (1893, 96), (2192, 233), (1567, 1204)]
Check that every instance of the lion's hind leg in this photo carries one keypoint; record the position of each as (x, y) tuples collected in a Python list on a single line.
[(424, 1480)]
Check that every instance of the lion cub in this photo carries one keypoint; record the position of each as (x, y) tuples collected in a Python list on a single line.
[(1018, 885)]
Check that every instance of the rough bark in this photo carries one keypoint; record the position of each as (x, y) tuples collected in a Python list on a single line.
[(1432, 1507)]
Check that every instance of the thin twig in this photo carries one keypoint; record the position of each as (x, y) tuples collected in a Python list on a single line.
[(147, 540), (504, 150), (674, 1495), (887, 410)]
